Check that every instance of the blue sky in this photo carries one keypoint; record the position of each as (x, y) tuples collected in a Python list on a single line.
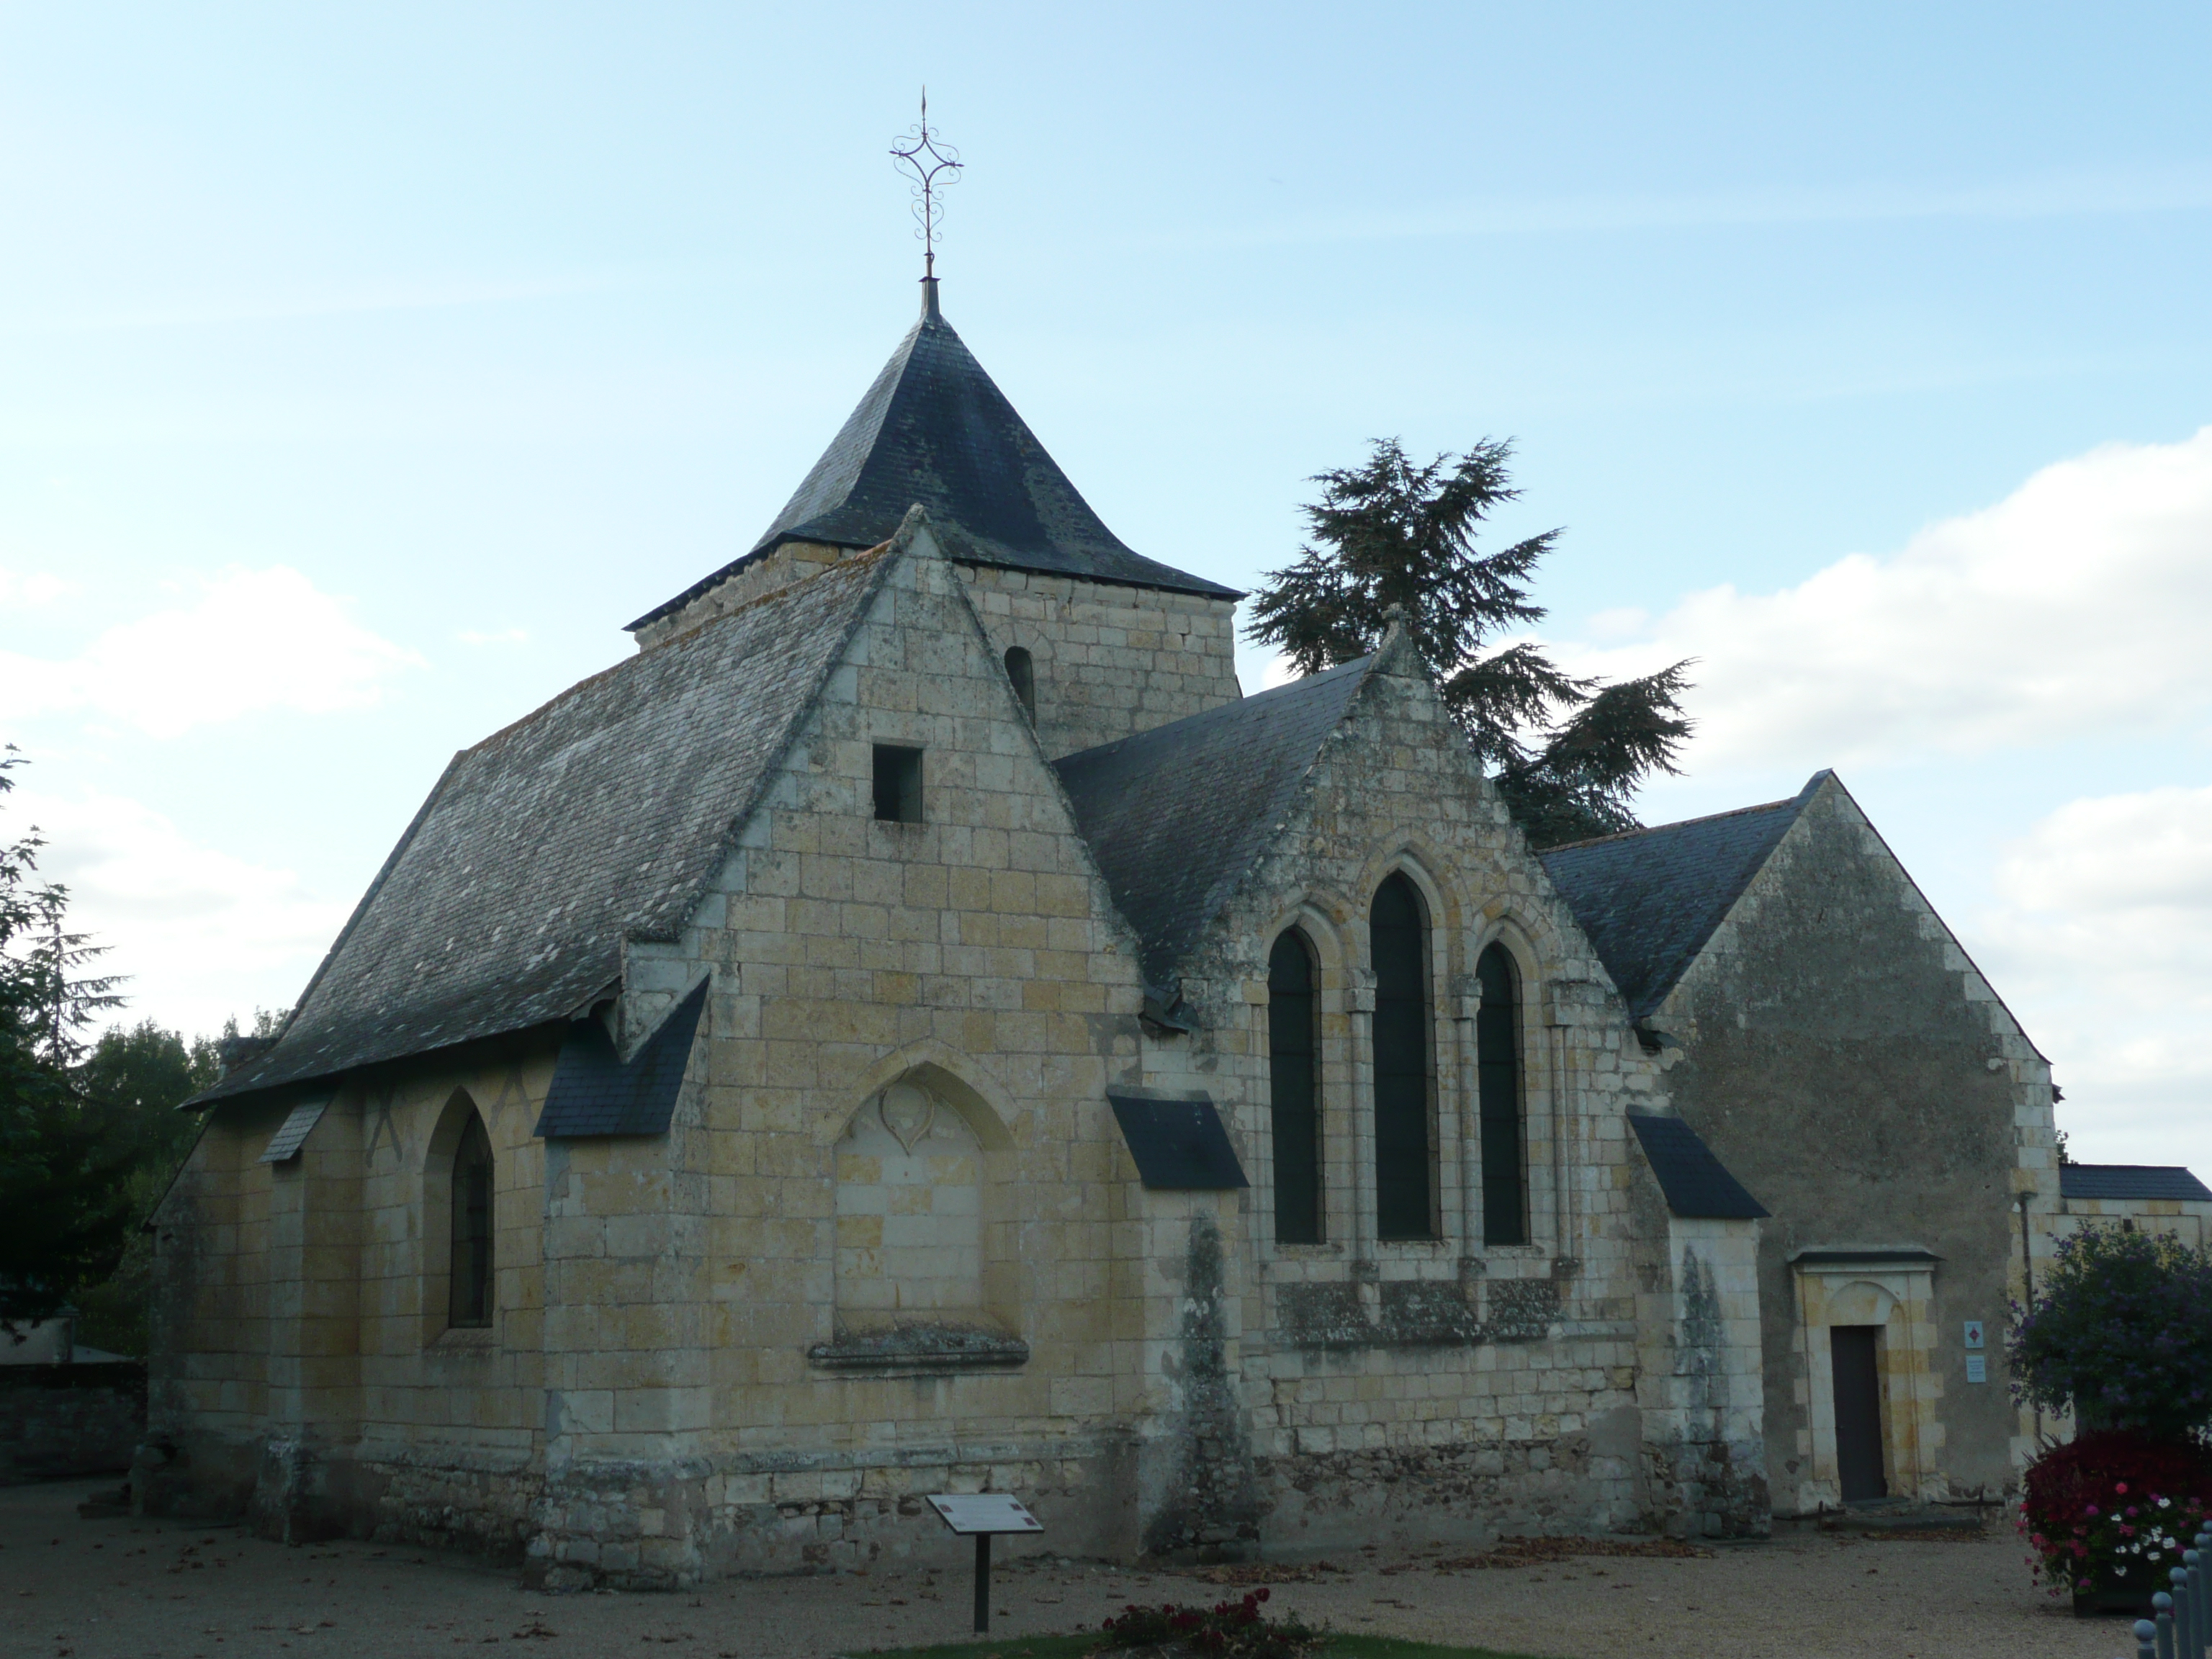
[(362, 370)]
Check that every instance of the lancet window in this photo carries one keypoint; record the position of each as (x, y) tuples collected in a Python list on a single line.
[(469, 1300), (1405, 1151), (1497, 1066), (1294, 1088)]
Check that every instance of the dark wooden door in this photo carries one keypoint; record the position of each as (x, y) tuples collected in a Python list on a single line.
[(1858, 1411)]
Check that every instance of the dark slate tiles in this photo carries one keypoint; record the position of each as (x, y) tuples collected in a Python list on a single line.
[(934, 428), (1175, 815), (2167, 1181), (602, 815), (1179, 1145), (1649, 899), (594, 1093), (1696, 1183)]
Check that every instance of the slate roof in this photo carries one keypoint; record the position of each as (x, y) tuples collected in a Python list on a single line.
[(1178, 1146), (594, 1092), (1649, 899), (1697, 1184), (934, 428), (602, 815), (2131, 1181), (1175, 815)]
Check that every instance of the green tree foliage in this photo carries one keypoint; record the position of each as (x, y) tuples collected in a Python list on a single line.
[(1566, 752), (141, 1075), (65, 1159), (2121, 1334)]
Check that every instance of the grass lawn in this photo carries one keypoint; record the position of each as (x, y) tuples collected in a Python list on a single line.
[(1077, 1647)]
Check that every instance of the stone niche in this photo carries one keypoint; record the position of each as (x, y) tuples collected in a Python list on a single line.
[(924, 1281)]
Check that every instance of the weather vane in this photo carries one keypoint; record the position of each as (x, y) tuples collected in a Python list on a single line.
[(918, 155)]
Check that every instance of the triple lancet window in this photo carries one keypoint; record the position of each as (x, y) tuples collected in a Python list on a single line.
[(468, 1306), (1404, 1184), (1407, 1205), (1294, 1089)]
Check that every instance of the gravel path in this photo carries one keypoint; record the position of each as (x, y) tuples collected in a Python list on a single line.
[(130, 1589)]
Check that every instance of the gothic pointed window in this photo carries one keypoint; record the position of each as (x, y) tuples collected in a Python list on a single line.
[(1294, 1089), (469, 1300), (1404, 1184), (1497, 1066)]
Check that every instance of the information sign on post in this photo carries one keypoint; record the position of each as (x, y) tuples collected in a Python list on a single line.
[(983, 1515)]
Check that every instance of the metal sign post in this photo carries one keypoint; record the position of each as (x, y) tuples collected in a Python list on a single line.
[(982, 1515)]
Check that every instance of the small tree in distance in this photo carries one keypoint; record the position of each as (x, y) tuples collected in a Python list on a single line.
[(2121, 1336), (1565, 751), (65, 1160)]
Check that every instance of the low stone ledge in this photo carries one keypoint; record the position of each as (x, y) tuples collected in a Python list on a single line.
[(921, 1348)]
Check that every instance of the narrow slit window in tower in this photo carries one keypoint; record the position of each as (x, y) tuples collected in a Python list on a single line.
[(1021, 669)]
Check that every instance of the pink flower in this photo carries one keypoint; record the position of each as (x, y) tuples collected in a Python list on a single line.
[(2091, 1508), (2120, 1487)]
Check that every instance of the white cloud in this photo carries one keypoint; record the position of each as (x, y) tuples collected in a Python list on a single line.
[(2102, 942), (248, 641), (30, 590), (2074, 606), (201, 933), (494, 636)]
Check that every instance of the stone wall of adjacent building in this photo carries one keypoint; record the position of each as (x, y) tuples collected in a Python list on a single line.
[(1846, 1062), (58, 1421)]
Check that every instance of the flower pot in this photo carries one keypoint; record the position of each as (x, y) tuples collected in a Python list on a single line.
[(2107, 1601)]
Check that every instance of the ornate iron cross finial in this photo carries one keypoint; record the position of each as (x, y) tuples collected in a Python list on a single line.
[(918, 155)]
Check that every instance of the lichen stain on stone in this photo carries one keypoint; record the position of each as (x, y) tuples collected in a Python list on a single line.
[(1211, 1508)]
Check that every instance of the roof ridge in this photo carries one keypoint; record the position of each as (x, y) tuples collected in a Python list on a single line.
[(1304, 682), (1174, 857), (1798, 799), (690, 638), (916, 517)]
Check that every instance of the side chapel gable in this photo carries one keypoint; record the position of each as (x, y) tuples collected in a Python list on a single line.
[(1209, 828)]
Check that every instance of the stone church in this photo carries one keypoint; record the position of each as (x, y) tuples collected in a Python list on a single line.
[(915, 1025)]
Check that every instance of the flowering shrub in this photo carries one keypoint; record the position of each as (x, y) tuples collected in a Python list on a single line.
[(2114, 1510), (2121, 1335), (1230, 1630)]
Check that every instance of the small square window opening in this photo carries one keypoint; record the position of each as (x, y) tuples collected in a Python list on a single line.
[(898, 784)]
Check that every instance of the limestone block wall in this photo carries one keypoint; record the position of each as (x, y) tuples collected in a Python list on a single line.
[(302, 1367), (2191, 1223), (1700, 1382), (1109, 660), (1441, 1386), (1841, 1055), (975, 959)]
